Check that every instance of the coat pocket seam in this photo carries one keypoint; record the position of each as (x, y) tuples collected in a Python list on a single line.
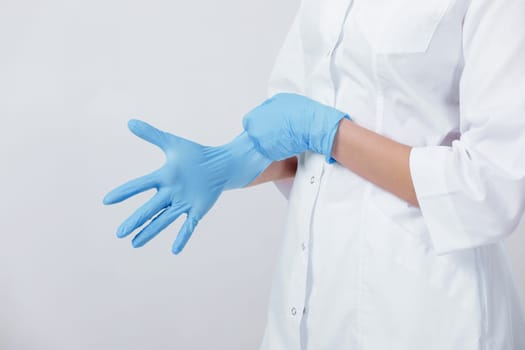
[(412, 34)]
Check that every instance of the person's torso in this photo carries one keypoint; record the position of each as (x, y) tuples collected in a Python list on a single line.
[(356, 269)]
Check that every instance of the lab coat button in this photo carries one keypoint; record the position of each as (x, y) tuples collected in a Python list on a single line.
[(312, 180), (303, 246), (293, 311)]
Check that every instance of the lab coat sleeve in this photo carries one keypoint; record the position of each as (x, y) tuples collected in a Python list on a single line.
[(472, 193), (288, 76)]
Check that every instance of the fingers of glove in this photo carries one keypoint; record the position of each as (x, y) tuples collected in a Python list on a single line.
[(148, 132), (159, 223), (143, 214), (131, 188), (184, 235)]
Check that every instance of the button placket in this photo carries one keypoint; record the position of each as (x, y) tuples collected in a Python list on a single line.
[(311, 179), (334, 28)]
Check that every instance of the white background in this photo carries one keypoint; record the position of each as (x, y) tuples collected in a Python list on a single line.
[(71, 74)]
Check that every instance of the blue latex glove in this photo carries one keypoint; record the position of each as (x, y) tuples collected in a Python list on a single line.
[(191, 180), (288, 124)]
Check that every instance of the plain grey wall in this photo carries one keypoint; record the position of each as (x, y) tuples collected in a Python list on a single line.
[(71, 74)]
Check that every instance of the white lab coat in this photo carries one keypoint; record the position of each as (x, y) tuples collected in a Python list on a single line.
[(361, 269)]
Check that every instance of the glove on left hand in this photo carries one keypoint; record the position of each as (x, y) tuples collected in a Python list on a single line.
[(288, 124)]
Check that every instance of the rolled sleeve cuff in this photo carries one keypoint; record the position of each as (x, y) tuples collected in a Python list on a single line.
[(428, 167)]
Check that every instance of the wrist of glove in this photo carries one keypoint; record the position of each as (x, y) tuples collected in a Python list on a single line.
[(288, 124), (243, 161), (190, 182)]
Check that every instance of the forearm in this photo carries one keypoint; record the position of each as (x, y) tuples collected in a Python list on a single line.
[(278, 170), (376, 158)]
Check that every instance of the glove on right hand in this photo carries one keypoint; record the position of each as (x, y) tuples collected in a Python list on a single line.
[(191, 180)]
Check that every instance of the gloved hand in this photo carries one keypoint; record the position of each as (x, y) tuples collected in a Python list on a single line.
[(288, 124), (190, 182)]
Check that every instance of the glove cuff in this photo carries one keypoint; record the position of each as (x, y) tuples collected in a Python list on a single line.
[(246, 162), (330, 137)]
